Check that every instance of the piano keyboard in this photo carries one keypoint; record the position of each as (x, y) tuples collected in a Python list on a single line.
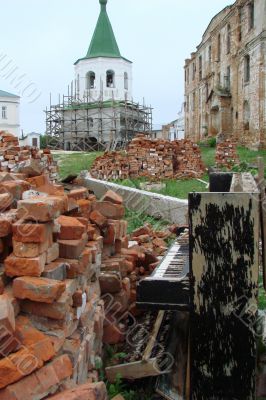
[(168, 287)]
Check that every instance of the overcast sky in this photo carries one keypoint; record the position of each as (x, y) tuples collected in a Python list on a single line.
[(41, 40)]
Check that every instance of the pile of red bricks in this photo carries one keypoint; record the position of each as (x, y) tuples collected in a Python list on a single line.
[(26, 160), (68, 275), (125, 261), (153, 159), (226, 154), (50, 309)]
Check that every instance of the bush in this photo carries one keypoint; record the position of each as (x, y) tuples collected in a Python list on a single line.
[(212, 142), (43, 141)]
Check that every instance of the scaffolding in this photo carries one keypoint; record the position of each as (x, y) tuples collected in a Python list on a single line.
[(83, 124)]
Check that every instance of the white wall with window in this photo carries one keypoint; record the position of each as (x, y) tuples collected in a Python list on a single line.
[(103, 77), (9, 113), (31, 139)]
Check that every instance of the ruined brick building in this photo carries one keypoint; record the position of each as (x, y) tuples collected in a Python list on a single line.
[(225, 78)]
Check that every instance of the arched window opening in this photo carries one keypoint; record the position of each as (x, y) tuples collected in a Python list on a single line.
[(228, 39), (126, 80), (247, 69), (91, 80), (110, 79)]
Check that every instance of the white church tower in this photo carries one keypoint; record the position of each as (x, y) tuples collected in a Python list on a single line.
[(98, 113), (104, 74)]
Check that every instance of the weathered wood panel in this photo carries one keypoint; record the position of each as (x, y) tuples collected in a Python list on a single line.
[(224, 237)]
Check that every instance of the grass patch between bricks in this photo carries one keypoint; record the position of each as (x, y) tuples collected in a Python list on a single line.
[(74, 163)]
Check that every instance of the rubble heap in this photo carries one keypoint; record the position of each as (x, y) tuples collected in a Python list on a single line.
[(50, 308), (153, 159), (226, 154), (68, 273), (25, 160)]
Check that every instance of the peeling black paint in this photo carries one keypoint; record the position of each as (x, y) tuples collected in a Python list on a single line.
[(222, 332)]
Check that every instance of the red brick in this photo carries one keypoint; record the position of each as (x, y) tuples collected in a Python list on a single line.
[(38, 181), (6, 200), (80, 266), (110, 282), (112, 334), (16, 366), (56, 310), (84, 206), (98, 218), (17, 266), (52, 253), (88, 391), (28, 232), (38, 289), (34, 340), (110, 234), (29, 250), (72, 249), (7, 316), (113, 197), (109, 210), (40, 383), (78, 194), (77, 298), (15, 188), (5, 226), (70, 228), (42, 209)]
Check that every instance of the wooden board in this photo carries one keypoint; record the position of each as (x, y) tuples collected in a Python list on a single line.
[(134, 370), (173, 386), (224, 241)]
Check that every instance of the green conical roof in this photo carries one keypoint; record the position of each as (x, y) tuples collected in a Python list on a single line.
[(103, 43)]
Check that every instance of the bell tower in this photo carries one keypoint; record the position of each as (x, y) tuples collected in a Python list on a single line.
[(103, 74)]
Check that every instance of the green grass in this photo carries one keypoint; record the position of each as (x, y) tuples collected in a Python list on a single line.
[(73, 163), (137, 220), (208, 156), (262, 295)]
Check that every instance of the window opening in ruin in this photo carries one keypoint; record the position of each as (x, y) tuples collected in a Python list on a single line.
[(251, 15), (200, 67), (110, 79), (194, 71), (219, 79), (246, 115), (247, 69), (227, 79), (228, 39), (194, 101), (210, 54), (240, 23), (219, 48)]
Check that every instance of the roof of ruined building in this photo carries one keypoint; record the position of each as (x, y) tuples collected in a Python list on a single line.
[(7, 94), (103, 43)]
